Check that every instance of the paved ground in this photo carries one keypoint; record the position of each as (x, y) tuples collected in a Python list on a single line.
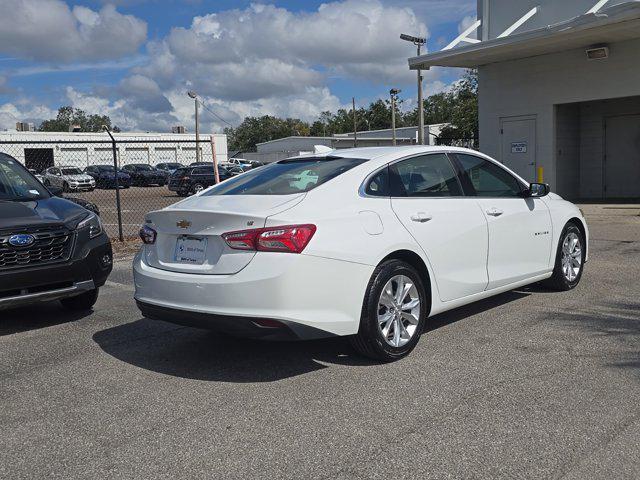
[(530, 384)]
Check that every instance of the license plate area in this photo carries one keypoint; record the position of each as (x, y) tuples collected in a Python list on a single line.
[(191, 250)]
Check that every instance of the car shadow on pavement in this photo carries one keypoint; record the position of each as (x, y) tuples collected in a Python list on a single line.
[(202, 355), (32, 317), (615, 325)]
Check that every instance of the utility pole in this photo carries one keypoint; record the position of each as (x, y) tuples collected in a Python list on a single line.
[(194, 95), (393, 93), (355, 123), (418, 41)]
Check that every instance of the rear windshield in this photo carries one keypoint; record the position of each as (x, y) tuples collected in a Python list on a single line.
[(286, 177)]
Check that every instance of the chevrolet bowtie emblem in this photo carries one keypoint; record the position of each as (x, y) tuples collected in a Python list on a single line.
[(183, 224)]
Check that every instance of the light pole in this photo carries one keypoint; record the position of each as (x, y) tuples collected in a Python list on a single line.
[(194, 95), (418, 41), (394, 94)]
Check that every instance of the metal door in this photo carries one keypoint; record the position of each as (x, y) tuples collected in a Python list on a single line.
[(622, 157), (518, 145)]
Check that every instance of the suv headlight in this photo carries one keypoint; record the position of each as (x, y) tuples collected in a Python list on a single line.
[(93, 223)]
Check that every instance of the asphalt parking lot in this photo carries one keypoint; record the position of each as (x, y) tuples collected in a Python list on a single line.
[(529, 384)]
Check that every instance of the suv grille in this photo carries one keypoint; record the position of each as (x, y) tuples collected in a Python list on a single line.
[(52, 244)]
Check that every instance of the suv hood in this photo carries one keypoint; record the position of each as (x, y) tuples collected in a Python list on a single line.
[(79, 178), (40, 213)]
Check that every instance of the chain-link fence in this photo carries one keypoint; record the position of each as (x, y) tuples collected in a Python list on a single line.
[(85, 169)]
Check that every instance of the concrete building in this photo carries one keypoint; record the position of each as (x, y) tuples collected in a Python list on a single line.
[(40, 150), (559, 90)]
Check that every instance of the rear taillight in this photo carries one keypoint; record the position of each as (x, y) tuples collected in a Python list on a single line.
[(148, 235), (287, 238)]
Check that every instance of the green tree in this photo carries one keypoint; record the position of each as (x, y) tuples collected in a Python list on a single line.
[(68, 116), (254, 130)]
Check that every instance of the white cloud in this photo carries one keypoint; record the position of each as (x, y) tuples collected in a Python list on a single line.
[(49, 31), (23, 111), (243, 62), (465, 23)]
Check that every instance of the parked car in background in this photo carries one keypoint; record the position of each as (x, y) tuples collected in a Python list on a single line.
[(256, 164), (143, 175), (37, 175), (190, 180), (105, 176), (50, 247), (169, 167), (368, 245), (241, 162), (70, 179), (235, 170), (200, 164)]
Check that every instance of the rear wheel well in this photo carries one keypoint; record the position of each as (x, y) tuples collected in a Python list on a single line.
[(416, 262)]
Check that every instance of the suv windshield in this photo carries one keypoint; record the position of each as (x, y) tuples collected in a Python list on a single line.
[(71, 171), (17, 184), (286, 177)]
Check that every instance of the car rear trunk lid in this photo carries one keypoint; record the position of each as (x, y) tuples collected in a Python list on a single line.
[(189, 233)]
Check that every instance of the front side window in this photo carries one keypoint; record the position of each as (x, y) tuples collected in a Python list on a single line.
[(488, 179), (286, 177), (425, 176), (17, 184)]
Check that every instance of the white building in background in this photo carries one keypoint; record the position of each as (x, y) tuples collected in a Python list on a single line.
[(40, 150), (559, 90)]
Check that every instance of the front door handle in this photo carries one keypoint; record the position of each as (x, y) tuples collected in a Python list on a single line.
[(494, 212), (421, 217)]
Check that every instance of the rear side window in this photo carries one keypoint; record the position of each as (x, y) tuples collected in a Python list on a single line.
[(425, 176), (286, 177), (202, 171), (378, 185), (488, 179)]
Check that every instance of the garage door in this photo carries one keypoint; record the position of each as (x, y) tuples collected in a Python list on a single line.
[(136, 155), (166, 155), (103, 156), (622, 157)]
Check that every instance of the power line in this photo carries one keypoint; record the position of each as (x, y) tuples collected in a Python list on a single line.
[(204, 105)]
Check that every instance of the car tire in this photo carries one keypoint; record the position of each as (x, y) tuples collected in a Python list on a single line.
[(47, 183), (371, 339), (65, 187), (198, 187), (570, 256), (80, 303)]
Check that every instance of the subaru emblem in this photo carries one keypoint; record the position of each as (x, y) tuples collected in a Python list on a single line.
[(21, 240)]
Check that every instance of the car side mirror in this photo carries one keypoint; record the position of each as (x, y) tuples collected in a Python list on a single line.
[(55, 191), (537, 190)]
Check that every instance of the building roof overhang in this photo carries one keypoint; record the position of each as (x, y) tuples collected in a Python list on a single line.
[(615, 24)]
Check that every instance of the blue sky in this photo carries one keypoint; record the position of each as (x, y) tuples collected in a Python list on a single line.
[(134, 59)]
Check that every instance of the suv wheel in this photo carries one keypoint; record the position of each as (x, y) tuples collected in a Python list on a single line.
[(394, 312), (81, 302), (197, 188)]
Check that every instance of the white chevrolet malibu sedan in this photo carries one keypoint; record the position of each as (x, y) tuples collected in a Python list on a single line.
[(365, 242)]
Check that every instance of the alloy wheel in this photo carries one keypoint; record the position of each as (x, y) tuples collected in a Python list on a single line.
[(398, 311), (571, 256)]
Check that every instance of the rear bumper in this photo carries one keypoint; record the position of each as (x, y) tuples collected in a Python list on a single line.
[(312, 296)]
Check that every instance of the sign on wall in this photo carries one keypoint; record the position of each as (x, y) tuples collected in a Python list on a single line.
[(518, 147)]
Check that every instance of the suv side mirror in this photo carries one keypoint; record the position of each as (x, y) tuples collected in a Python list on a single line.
[(537, 190)]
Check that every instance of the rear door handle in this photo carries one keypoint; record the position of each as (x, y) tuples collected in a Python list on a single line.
[(421, 217), (494, 212)]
